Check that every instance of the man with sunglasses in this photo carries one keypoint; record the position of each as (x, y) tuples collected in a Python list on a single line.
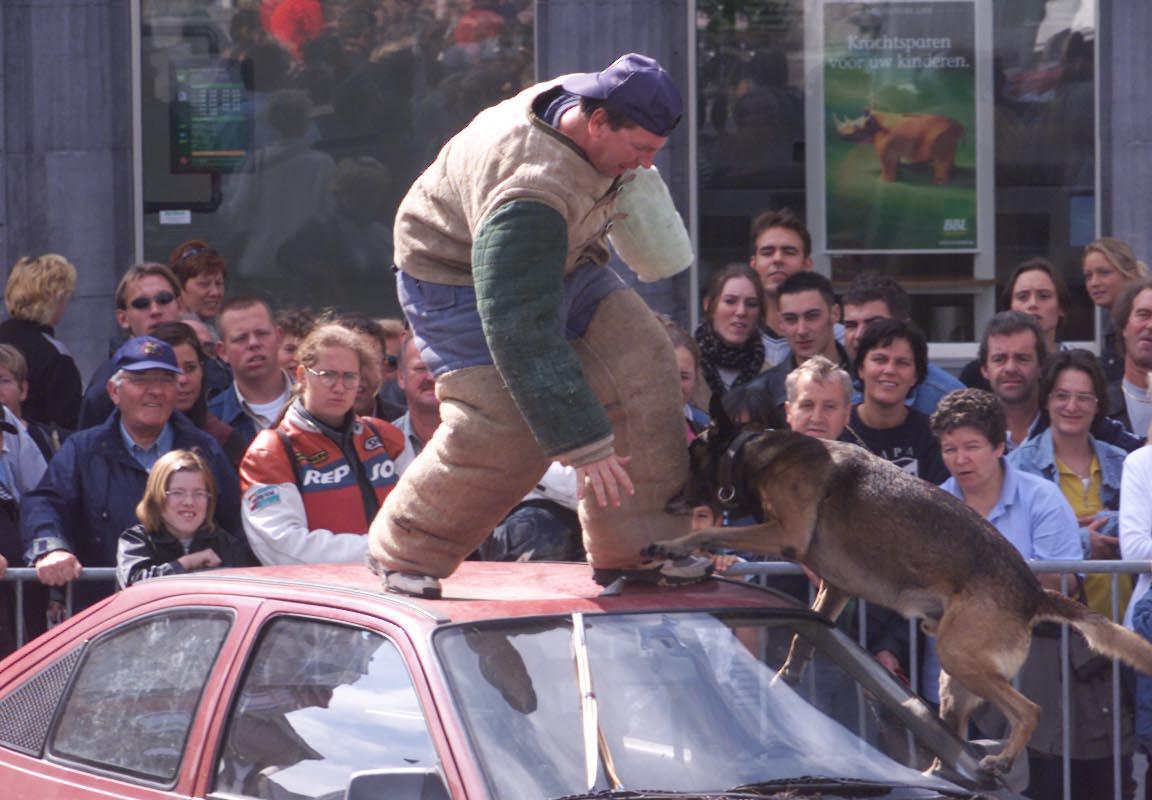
[(88, 496), (145, 297)]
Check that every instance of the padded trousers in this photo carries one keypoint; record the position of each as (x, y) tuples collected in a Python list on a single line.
[(483, 459)]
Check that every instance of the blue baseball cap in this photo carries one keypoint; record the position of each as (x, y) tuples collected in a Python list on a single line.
[(145, 352), (636, 86)]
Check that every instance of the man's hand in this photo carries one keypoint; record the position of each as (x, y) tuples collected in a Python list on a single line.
[(57, 568), (202, 559), (3, 566), (605, 478)]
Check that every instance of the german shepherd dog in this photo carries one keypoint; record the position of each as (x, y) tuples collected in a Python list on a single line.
[(871, 530)]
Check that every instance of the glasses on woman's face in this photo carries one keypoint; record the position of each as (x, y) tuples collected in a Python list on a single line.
[(329, 377), (180, 495), (1082, 398), (144, 301)]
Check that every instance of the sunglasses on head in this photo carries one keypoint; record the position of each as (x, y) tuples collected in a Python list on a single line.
[(144, 301), (193, 251)]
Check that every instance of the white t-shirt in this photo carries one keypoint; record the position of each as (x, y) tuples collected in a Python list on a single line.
[(266, 413), (1139, 405)]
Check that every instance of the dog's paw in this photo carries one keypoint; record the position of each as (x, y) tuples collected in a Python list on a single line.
[(658, 551)]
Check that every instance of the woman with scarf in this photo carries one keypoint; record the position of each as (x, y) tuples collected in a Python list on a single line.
[(731, 347)]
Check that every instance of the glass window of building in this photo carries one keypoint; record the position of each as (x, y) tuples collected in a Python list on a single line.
[(770, 72), (283, 133)]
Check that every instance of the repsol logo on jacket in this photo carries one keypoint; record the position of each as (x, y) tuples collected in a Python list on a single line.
[(380, 473), (329, 477)]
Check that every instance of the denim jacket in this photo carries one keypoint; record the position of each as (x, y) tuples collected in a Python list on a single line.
[(1037, 457)]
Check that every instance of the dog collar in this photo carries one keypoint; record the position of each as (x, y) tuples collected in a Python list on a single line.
[(726, 493)]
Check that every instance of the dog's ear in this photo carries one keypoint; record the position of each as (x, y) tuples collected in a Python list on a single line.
[(725, 429)]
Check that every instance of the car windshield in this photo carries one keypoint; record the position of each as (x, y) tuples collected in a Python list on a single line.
[(685, 702)]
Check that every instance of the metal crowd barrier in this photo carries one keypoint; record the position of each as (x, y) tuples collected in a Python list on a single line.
[(22, 575), (757, 571)]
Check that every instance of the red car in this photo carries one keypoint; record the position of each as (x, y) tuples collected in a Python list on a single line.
[(524, 682)]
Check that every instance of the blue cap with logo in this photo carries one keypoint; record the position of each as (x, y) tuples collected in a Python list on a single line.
[(145, 352), (636, 86)]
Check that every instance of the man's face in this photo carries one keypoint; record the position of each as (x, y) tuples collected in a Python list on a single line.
[(416, 380), (779, 253), (806, 322), (249, 342), (859, 317), (145, 399), (204, 334), (1012, 367), (614, 152), (391, 356), (820, 409), (148, 302), (1138, 331)]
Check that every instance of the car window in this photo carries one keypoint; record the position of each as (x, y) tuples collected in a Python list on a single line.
[(320, 701), (136, 692)]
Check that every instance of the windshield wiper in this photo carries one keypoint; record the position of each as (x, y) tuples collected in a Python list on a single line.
[(853, 786), (660, 794), (596, 752)]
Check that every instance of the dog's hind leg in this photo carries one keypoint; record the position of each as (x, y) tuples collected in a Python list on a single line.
[(982, 658), (830, 602)]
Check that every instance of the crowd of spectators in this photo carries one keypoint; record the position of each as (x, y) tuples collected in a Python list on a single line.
[(222, 432)]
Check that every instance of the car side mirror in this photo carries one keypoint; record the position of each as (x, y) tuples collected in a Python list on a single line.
[(1016, 778), (401, 783)]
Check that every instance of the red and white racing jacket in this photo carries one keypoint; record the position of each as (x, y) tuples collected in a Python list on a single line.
[(306, 500)]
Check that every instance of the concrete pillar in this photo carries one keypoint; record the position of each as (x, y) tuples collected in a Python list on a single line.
[(1125, 134), (65, 151)]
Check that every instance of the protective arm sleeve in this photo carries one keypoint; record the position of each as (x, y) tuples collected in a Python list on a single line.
[(518, 271)]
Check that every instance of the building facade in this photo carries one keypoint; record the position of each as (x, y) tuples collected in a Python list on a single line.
[(285, 131)]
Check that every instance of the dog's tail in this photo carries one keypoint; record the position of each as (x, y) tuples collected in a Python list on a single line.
[(1103, 635)]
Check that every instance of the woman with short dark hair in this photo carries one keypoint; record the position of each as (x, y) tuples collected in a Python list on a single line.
[(891, 361)]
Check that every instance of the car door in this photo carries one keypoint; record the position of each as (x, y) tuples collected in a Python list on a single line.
[(121, 710), (323, 693)]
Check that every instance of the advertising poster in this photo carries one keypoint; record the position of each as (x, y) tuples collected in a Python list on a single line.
[(900, 122)]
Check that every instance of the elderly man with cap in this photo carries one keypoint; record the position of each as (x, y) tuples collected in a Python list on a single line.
[(540, 353), (88, 496)]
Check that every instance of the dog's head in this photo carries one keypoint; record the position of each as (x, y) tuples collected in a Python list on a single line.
[(711, 469)]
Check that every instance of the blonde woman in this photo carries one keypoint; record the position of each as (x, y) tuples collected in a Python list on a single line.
[(313, 483), (176, 533), (37, 295), (1109, 265)]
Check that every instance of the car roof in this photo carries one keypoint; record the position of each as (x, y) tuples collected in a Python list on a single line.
[(476, 591)]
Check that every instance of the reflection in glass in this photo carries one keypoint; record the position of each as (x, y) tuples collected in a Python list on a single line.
[(135, 697), (319, 702), (292, 128), (750, 76), (686, 702)]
